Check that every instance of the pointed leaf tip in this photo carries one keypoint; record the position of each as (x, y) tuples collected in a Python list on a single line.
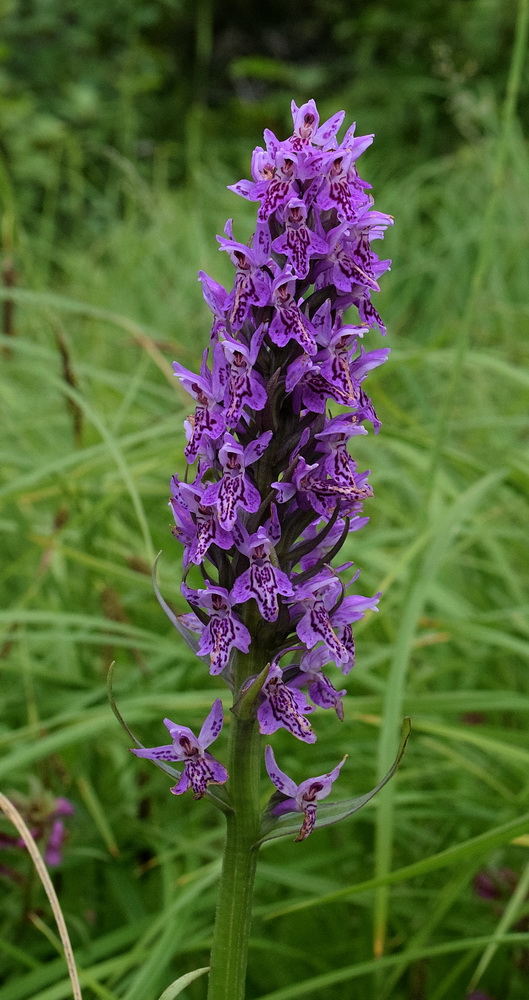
[(180, 984)]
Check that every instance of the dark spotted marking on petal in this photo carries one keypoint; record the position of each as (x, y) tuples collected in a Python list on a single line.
[(283, 706), (308, 822)]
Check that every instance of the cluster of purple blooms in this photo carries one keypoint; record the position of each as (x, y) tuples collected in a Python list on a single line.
[(275, 491), (44, 815)]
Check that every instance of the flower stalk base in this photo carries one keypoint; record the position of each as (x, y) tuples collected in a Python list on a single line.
[(233, 918)]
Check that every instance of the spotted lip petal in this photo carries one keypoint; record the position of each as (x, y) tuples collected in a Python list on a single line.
[(285, 707)]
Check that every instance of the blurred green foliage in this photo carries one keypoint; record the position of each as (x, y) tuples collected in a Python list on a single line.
[(120, 126), (158, 80)]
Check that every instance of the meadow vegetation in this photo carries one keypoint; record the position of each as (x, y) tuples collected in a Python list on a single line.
[(99, 295)]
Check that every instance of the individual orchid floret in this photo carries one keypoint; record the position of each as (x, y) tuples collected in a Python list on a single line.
[(326, 616), (289, 322), (263, 580), (336, 362), (303, 797), (284, 707), (275, 181), (298, 243), (235, 372), (306, 121), (318, 600), (352, 609), (336, 191), (197, 523), (200, 768), (235, 489), (288, 488), (252, 284), (310, 389), (361, 299), (334, 376), (281, 186), (313, 491), (184, 527), (349, 262), (224, 631), (208, 420), (338, 463)]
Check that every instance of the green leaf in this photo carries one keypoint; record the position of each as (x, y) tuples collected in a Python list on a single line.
[(163, 767), (245, 706), (190, 637), (180, 984), (333, 812)]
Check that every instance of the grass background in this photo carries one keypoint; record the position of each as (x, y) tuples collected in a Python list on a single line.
[(382, 905)]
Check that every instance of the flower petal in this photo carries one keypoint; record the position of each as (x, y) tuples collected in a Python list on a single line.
[(278, 777), (212, 725)]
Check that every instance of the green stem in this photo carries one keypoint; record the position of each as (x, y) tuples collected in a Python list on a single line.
[(234, 903)]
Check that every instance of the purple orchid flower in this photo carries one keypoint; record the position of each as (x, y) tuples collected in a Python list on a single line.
[(200, 768), (327, 618), (281, 186), (252, 285), (208, 420), (197, 523), (303, 797), (336, 192), (298, 243), (235, 374), (289, 322), (263, 581), (313, 491), (350, 261), (307, 129), (275, 181), (338, 463), (279, 402), (224, 631), (235, 489), (311, 390), (284, 707)]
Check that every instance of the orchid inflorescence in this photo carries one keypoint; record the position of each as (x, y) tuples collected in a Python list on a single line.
[(275, 492)]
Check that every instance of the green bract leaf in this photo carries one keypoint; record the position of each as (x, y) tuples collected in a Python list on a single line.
[(332, 812), (187, 634), (246, 705)]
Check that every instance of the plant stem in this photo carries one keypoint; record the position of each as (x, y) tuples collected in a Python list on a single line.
[(234, 902)]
